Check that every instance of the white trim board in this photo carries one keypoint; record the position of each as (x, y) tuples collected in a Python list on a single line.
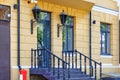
[(105, 10), (21, 67), (105, 56), (103, 66)]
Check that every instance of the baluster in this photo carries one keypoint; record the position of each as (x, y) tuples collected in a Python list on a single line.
[(47, 59), (44, 58), (53, 65), (58, 69), (75, 59), (69, 58), (49, 63), (35, 58), (66, 56), (63, 55), (40, 57), (95, 71), (68, 71), (31, 58), (85, 64), (100, 71), (90, 67), (72, 60), (80, 62), (63, 70)]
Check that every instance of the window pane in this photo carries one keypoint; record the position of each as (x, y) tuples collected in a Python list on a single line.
[(70, 37), (103, 42), (108, 43)]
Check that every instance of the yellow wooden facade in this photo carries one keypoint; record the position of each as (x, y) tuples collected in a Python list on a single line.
[(81, 31)]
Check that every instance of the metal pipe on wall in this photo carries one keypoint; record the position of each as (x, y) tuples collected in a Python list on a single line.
[(90, 41), (18, 36)]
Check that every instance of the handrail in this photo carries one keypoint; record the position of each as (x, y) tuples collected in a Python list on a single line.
[(87, 57), (56, 56), (44, 58), (81, 54), (73, 59)]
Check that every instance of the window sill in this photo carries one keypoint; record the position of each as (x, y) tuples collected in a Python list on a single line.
[(105, 56)]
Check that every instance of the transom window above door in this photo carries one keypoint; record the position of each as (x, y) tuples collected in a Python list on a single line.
[(105, 39)]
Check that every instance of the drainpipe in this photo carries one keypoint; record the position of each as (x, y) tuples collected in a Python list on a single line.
[(18, 36), (119, 27), (119, 40), (90, 41)]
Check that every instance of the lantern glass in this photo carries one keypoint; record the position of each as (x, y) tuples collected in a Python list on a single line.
[(63, 17), (36, 11)]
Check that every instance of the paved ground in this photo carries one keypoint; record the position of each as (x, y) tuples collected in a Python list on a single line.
[(111, 74)]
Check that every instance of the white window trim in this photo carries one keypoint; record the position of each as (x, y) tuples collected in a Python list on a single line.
[(105, 56)]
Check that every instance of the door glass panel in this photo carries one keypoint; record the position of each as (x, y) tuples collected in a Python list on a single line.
[(68, 37), (64, 39), (44, 31)]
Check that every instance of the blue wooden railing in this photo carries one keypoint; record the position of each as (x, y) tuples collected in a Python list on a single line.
[(43, 58), (81, 61)]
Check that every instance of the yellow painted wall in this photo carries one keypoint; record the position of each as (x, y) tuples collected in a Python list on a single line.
[(114, 42), (81, 32)]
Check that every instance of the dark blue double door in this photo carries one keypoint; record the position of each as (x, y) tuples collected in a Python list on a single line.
[(44, 37)]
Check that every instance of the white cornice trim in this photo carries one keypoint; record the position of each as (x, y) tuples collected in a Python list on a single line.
[(105, 10)]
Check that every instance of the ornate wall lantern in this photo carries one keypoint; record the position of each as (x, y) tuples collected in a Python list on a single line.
[(63, 17), (36, 11)]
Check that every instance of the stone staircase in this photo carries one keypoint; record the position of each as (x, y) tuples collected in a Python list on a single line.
[(75, 74), (47, 64)]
